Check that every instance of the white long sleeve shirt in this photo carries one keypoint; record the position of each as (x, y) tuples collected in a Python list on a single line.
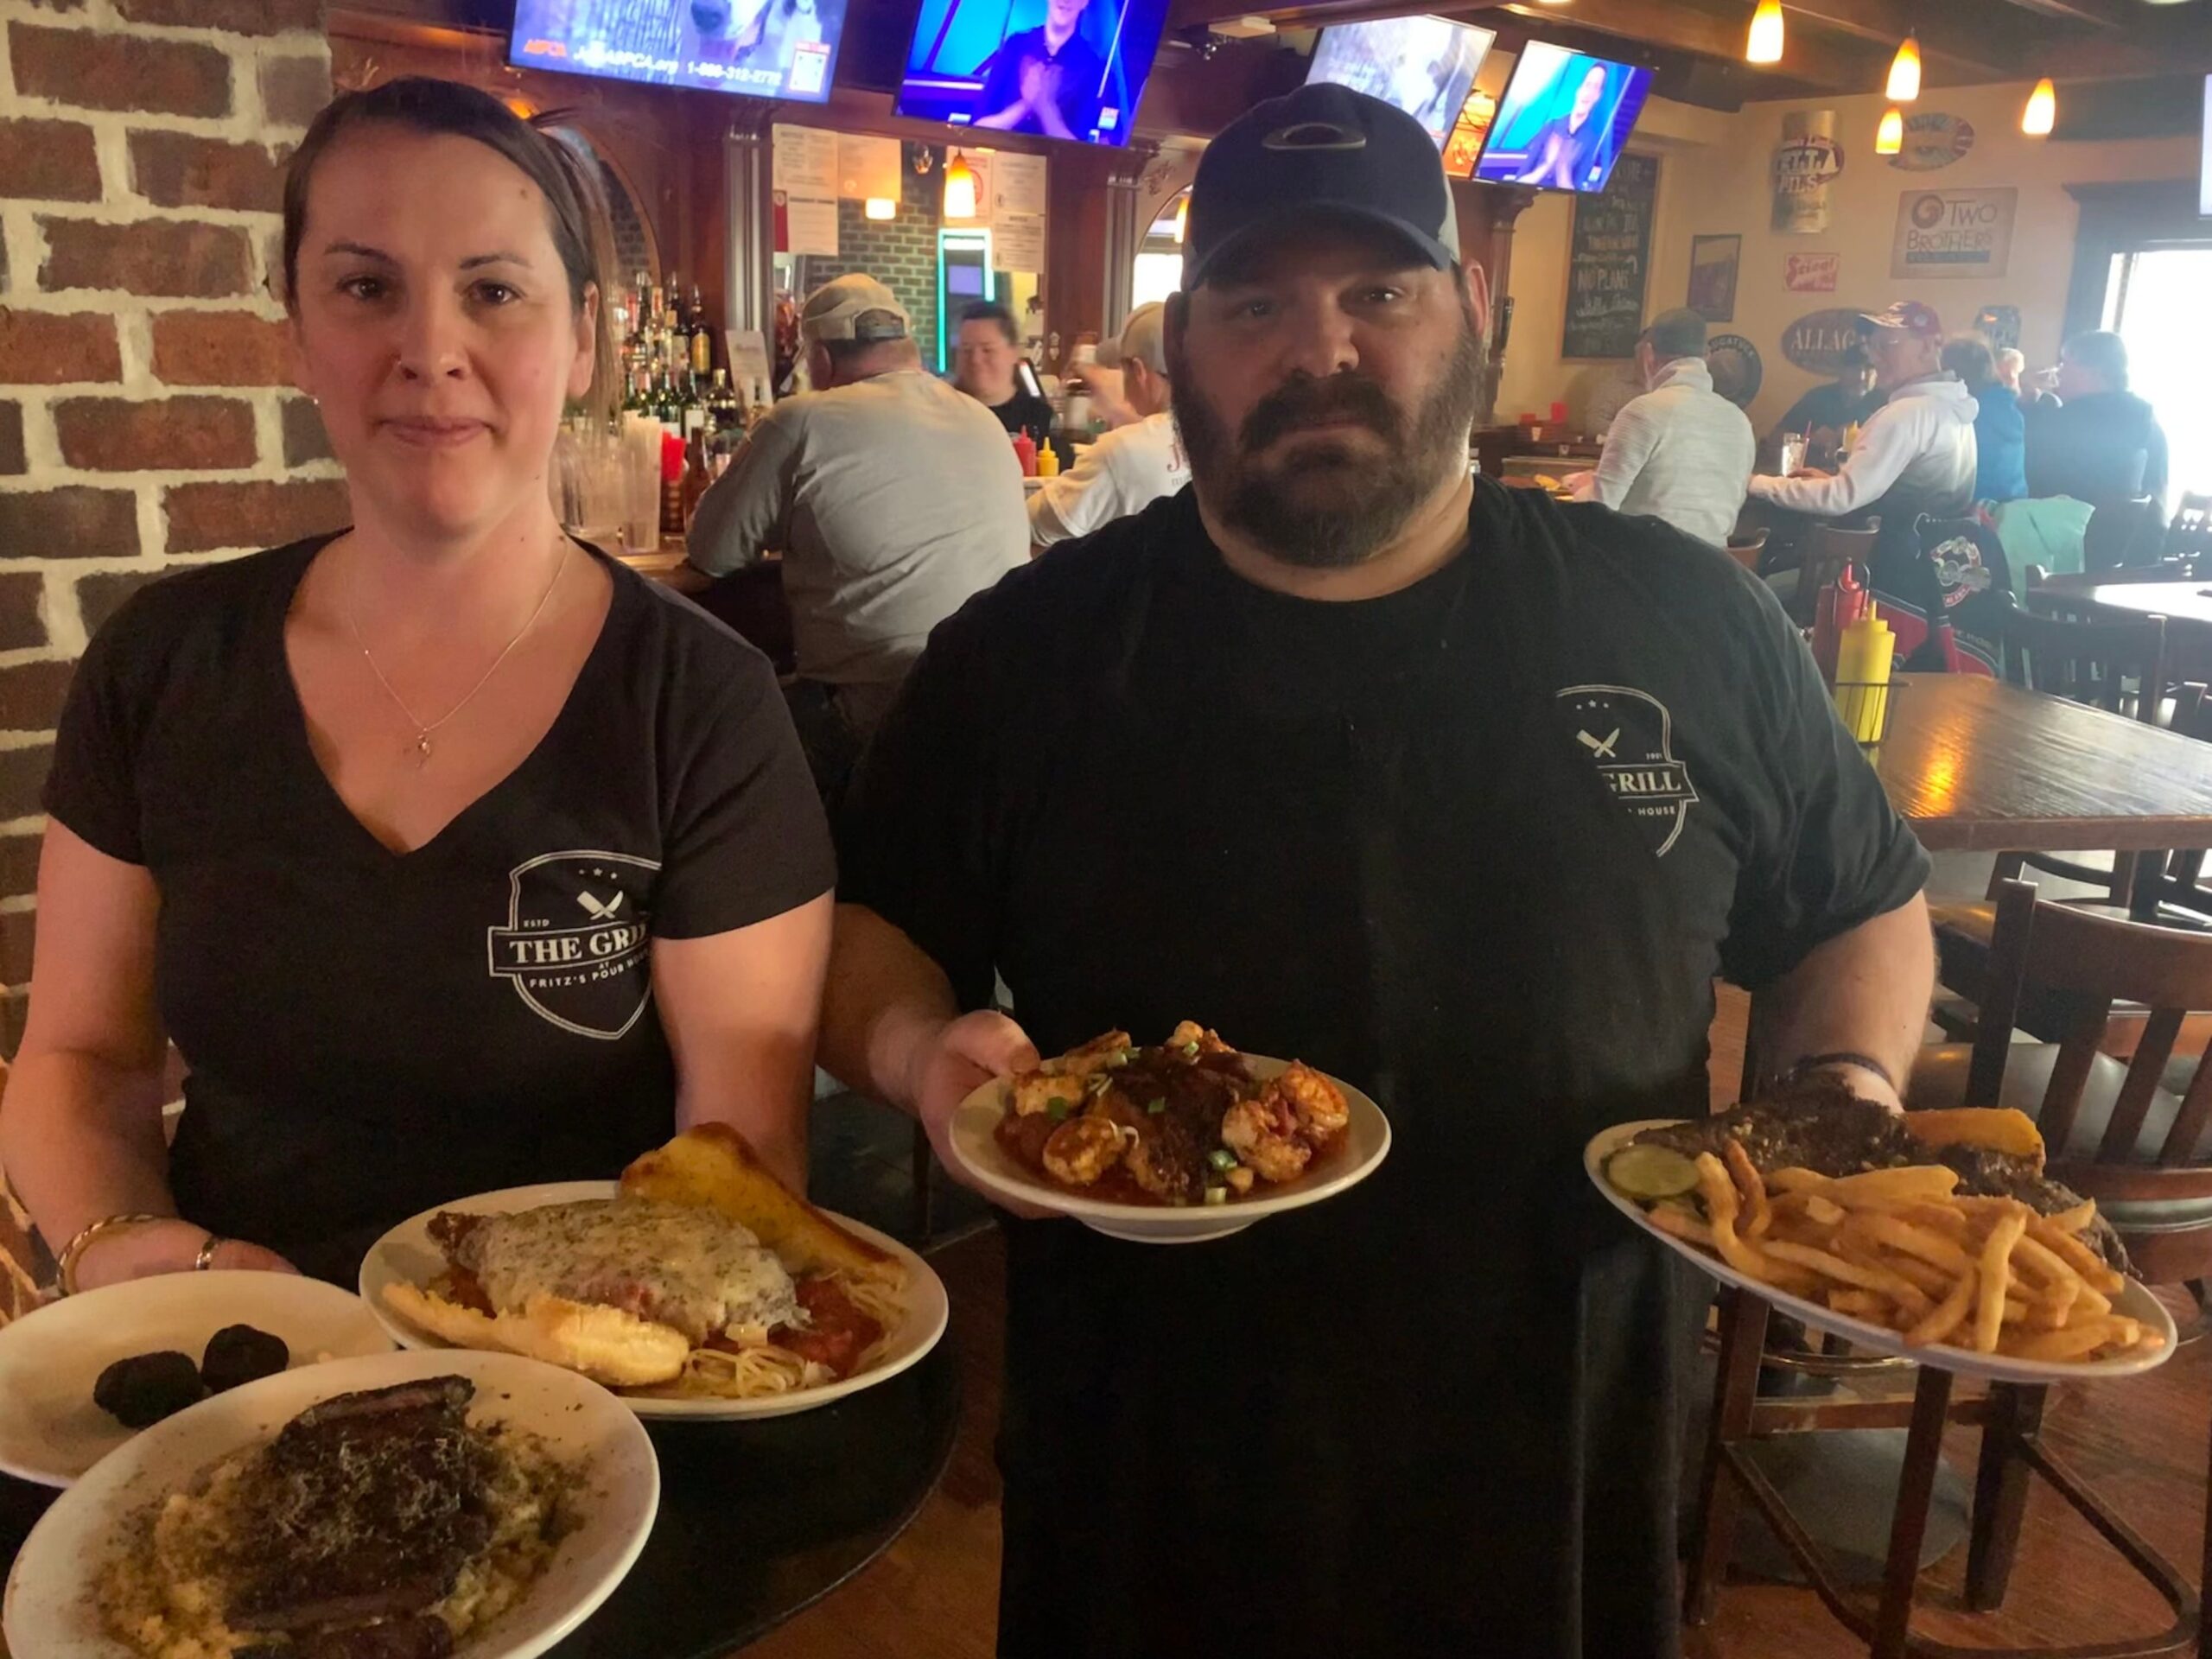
[(1125, 471), (1681, 453), (1921, 438)]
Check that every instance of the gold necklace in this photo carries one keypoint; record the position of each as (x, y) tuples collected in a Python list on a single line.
[(421, 746)]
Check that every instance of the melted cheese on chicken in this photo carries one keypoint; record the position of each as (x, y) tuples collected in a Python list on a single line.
[(676, 1264)]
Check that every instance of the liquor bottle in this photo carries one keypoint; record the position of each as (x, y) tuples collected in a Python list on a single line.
[(695, 407), (725, 414), (702, 339)]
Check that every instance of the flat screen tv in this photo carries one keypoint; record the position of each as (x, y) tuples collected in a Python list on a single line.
[(1563, 120), (765, 48), (1070, 69), (1424, 66)]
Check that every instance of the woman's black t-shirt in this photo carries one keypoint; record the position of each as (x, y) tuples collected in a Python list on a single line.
[(369, 1033)]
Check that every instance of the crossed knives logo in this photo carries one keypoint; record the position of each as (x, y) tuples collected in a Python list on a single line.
[(574, 942), (1629, 736)]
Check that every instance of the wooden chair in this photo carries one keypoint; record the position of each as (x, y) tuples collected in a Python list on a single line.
[(2114, 1135), (2189, 536), (1748, 549), (1826, 554), (2123, 534)]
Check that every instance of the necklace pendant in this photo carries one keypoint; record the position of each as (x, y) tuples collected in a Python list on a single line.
[(422, 746)]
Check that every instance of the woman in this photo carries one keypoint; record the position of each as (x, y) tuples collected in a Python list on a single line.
[(450, 853), (2000, 429)]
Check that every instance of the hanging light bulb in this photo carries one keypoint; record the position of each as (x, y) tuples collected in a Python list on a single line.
[(959, 188), (1763, 45), (1889, 137), (880, 207), (1182, 218), (2042, 113), (1904, 73)]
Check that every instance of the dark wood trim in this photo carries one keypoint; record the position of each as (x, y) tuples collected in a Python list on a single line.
[(2119, 218)]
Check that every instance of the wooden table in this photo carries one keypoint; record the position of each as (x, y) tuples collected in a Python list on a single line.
[(1977, 765), (2187, 607)]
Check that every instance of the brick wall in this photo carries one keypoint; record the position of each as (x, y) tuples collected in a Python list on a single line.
[(898, 252), (144, 421)]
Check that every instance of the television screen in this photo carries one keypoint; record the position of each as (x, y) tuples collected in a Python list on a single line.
[(1425, 65), (1053, 68), (1563, 120), (766, 48)]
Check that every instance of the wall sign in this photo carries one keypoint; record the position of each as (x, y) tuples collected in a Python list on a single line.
[(1999, 325), (1954, 233), (1817, 340), (803, 163), (1810, 273), (1609, 261), (1737, 369), (1713, 260), (1933, 139), (1806, 161)]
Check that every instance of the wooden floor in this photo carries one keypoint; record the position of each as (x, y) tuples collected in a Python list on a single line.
[(2142, 1443)]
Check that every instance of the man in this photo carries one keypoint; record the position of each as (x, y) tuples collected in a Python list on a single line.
[(891, 499), (1568, 146), (2012, 375), (985, 357), (2096, 440), (1046, 81), (1824, 414), (1456, 793), (1915, 455), (1681, 452), (1133, 465)]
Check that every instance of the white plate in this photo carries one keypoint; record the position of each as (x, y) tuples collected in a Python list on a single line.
[(407, 1252), (50, 1430), (49, 1607), (2134, 1301), (975, 1149)]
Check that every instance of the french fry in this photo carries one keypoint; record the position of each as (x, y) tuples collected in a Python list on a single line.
[(1722, 1206), (2073, 1220), (1796, 1179), (1823, 1212), (1897, 1233), (1892, 1285), (1952, 1222), (2077, 1255), (1947, 1316), (1996, 1275), (2061, 1285), (1668, 1219), (1932, 1281), (2077, 1341), (1909, 1185), (1759, 1213), (1870, 1305)]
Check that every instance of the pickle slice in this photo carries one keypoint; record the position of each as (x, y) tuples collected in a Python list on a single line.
[(1648, 1173)]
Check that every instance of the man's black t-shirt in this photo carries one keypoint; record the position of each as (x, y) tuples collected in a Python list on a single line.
[(1025, 413), (1080, 70), (1479, 846), (368, 1033)]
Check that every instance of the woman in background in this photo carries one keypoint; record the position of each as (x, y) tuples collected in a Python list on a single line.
[(451, 855), (2001, 428)]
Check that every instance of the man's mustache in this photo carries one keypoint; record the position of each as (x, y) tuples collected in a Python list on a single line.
[(1319, 403)]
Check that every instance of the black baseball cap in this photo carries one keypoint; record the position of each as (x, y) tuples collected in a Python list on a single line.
[(1324, 149)]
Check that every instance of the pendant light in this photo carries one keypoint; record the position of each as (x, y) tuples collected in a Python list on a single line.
[(1763, 45), (2042, 113), (1889, 138), (959, 188), (1904, 73)]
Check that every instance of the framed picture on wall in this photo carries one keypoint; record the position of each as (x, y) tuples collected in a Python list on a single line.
[(1712, 276)]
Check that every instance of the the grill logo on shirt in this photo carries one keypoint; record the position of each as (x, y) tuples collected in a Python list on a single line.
[(574, 943), (1629, 735)]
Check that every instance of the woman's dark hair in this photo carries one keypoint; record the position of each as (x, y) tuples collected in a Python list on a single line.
[(575, 207), (1970, 358), (992, 311)]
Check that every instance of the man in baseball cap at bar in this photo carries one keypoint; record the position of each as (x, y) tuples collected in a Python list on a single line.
[(891, 499), (1915, 455), (1459, 795), (1137, 462)]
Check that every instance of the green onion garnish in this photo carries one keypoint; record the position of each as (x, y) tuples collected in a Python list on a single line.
[(1222, 1158), (1058, 1109), (1190, 1048), (1216, 1195), (1156, 1107)]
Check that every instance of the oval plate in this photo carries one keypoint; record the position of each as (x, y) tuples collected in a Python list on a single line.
[(406, 1252), (50, 1608), (50, 1430), (975, 1149), (2135, 1301)]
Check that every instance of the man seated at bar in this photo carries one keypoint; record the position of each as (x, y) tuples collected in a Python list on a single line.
[(891, 499), (1453, 792), (2096, 440), (1823, 414), (986, 358), (1682, 452), (451, 855), (1131, 466), (1915, 456)]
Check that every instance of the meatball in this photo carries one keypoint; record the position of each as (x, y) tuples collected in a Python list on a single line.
[(138, 1392)]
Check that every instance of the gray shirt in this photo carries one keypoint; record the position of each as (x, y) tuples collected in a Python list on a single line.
[(891, 500)]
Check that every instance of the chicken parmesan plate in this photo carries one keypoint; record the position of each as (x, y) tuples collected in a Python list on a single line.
[(1175, 1144), (695, 1286)]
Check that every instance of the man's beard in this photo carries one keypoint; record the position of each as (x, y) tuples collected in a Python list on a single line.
[(1326, 505)]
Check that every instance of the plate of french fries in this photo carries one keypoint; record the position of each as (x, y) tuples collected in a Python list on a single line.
[(1897, 1261)]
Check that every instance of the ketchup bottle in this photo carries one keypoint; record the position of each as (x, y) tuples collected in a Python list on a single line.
[(1024, 451), (1841, 603)]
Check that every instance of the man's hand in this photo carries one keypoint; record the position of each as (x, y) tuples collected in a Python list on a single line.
[(1038, 82), (964, 1055)]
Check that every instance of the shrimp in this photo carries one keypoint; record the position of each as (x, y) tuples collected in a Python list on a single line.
[(1263, 1133), (1318, 1104), (1082, 1149)]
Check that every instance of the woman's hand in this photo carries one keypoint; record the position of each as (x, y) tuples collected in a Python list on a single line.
[(144, 1248), (965, 1054)]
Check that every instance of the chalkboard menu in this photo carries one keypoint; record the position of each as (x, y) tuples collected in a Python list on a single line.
[(1610, 261)]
